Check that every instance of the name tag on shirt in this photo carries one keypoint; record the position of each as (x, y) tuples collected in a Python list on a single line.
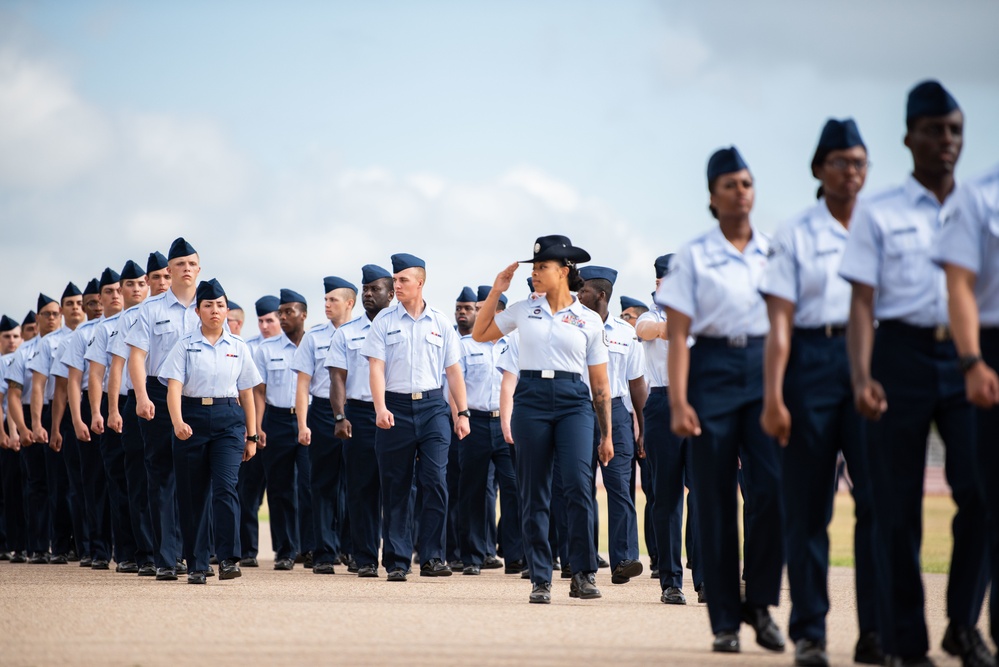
[(393, 337), (163, 327)]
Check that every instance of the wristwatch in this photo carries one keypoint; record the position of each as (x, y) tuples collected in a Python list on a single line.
[(968, 361), (465, 413), (339, 417), (253, 438)]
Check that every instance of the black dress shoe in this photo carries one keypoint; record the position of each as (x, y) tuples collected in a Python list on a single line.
[(37, 559), (471, 568), (147, 570), (229, 569), (166, 574), (397, 574), (58, 559), (492, 563), (541, 593), (567, 571), (868, 650), (514, 567), (181, 567), (966, 643), (673, 595), (556, 565), (367, 571), (72, 556), (601, 563), (702, 597), (128, 567), (584, 586), (100, 564), (213, 560), (525, 573), (351, 565), (210, 572), (726, 642), (196, 578), (18, 557), (284, 564), (435, 567), (768, 635), (308, 562), (299, 558), (456, 565), (86, 561), (919, 661), (625, 570), (654, 574), (323, 568), (810, 653), (249, 561)]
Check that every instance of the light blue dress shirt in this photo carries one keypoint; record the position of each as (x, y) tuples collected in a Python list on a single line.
[(716, 286), (17, 369), (211, 371), (508, 360), (570, 340), (311, 357), (97, 351), (72, 352), (482, 378), (625, 358), (162, 321), (273, 360), (45, 358), (971, 240), (415, 352), (890, 249), (804, 268), (119, 348), (656, 350), (345, 353)]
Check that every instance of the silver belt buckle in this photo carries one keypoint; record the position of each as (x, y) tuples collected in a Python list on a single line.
[(829, 331), (417, 395), (494, 414), (548, 375), (738, 341), (207, 401), (941, 333)]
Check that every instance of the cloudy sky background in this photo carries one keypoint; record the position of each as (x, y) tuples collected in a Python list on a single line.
[(288, 141)]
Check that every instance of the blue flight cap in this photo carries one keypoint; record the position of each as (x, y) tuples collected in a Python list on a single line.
[(29, 318), (71, 290), (839, 134), (109, 277), (131, 271), (483, 294), (267, 304), (156, 262), (662, 264), (403, 261), (181, 248), (372, 272), (7, 324), (291, 296), (208, 290), (466, 296), (331, 283), (725, 161), (93, 287), (598, 272), (42, 302), (627, 302), (233, 305), (556, 246), (929, 98)]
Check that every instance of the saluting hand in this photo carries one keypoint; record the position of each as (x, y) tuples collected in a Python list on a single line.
[(505, 277), (183, 431), (342, 430), (776, 421), (385, 419), (684, 421), (982, 385), (305, 436), (869, 397)]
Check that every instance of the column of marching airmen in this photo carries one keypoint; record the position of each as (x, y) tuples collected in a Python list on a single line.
[(762, 365)]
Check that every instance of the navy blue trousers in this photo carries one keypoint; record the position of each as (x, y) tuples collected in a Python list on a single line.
[(161, 480), (207, 466), (483, 446), (421, 429), (280, 458), (113, 454), (824, 422), (13, 499), (670, 462), (137, 483), (60, 514), (726, 390), (95, 490), (77, 496), (987, 422), (326, 457), (454, 526), (922, 384), (364, 489), (622, 517), (644, 473), (554, 419), (250, 488), (36, 492)]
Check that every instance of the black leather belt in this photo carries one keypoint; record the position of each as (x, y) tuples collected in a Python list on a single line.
[(193, 400), (552, 375), (485, 414), (939, 333), (739, 342), (281, 411), (659, 390), (416, 395), (825, 331)]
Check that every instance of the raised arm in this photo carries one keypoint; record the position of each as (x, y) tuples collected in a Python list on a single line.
[(485, 328)]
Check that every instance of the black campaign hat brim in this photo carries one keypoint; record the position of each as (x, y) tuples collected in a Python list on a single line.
[(572, 253)]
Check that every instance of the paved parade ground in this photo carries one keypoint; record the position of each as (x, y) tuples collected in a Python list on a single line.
[(65, 615)]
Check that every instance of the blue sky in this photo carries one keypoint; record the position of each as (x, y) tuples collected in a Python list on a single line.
[(294, 140)]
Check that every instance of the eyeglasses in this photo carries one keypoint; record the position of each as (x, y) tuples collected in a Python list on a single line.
[(842, 164), (50, 314), (628, 317)]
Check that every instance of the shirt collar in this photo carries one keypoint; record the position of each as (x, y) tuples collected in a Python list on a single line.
[(199, 337), (716, 243), (822, 219), (915, 191)]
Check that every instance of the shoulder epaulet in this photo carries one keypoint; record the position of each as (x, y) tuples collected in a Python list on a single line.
[(317, 327)]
